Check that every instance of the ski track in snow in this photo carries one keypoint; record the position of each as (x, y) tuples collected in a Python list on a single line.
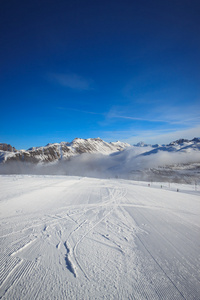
[(85, 238)]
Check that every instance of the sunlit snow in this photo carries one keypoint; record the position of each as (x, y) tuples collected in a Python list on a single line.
[(84, 238)]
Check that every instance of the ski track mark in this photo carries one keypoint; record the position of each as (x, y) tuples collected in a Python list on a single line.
[(110, 208), (115, 196), (58, 246), (18, 272), (23, 247), (69, 264), (107, 245), (7, 266)]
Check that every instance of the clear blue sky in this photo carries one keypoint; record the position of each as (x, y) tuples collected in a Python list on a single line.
[(118, 70)]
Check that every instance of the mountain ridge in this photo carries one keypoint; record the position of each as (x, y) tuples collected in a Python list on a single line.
[(53, 152), (58, 151), (178, 161)]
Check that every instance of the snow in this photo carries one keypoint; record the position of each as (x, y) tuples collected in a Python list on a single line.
[(85, 238)]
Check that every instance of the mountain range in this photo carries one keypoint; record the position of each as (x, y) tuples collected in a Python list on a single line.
[(64, 150), (59, 151), (178, 161)]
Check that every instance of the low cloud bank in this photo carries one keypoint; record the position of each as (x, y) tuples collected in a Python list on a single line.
[(120, 164)]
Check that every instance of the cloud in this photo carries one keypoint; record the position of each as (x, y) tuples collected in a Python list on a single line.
[(72, 81), (151, 136), (162, 136), (166, 114), (184, 114), (116, 115), (81, 111)]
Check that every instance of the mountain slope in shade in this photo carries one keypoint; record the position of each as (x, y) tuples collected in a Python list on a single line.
[(61, 151)]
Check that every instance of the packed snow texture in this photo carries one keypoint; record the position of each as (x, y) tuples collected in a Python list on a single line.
[(85, 238)]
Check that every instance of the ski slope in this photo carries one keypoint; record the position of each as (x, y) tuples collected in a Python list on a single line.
[(86, 238)]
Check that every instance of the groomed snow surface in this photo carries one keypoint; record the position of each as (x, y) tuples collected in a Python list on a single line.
[(84, 238)]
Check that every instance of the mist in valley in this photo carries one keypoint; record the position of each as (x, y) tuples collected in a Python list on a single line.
[(128, 164)]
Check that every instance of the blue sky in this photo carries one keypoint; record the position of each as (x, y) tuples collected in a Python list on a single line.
[(118, 70)]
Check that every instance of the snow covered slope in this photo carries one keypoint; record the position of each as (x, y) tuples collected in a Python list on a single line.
[(85, 238)]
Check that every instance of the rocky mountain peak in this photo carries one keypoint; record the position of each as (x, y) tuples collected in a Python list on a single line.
[(7, 147)]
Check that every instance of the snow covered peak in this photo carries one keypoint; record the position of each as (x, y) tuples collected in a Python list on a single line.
[(179, 142), (64, 150), (96, 145), (141, 144)]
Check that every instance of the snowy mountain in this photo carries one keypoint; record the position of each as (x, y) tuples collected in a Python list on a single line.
[(142, 144), (181, 145), (178, 161), (59, 151)]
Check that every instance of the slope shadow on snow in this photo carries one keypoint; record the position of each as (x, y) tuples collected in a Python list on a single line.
[(68, 262)]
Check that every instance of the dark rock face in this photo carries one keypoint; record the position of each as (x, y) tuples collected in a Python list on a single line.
[(182, 141), (7, 147), (179, 142), (196, 140)]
